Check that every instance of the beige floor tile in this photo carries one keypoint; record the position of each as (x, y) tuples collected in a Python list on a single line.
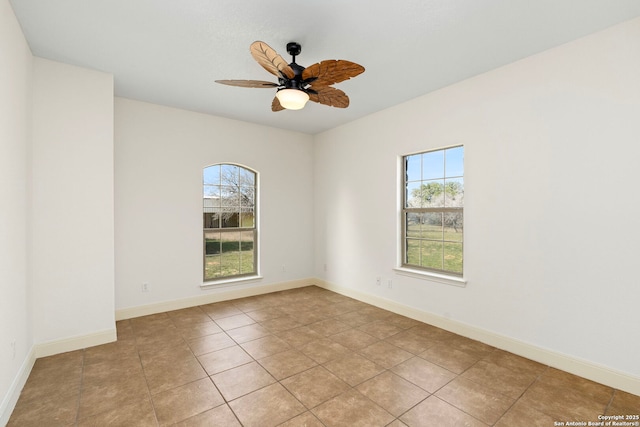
[(563, 399), (199, 330), (503, 380), (476, 400), (266, 346), (410, 341), (108, 393), (354, 339), (299, 337), (354, 368), (450, 358), (186, 401), (248, 333), (242, 380), (355, 318), (233, 322), (352, 409), (393, 393), (220, 310), (308, 317), (222, 416), (385, 354), (424, 374), (188, 317), (624, 403), (280, 324), (221, 360), (306, 419), (314, 386), (401, 321), (168, 370), (266, 407), (329, 327), (138, 413), (266, 314), (286, 364), (520, 413), (380, 329), (434, 412), (209, 343), (60, 409), (324, 350)]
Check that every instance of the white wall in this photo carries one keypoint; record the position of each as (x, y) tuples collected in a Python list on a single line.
[(15, 93), (72, 214), (159, 156), (551, 164)]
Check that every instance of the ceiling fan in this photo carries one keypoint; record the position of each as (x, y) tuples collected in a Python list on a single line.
[(297, 84)]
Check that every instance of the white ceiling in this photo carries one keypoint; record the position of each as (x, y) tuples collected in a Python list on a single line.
[(170, 52)]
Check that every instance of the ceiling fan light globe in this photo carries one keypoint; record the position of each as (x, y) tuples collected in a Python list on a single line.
[(292, 99)]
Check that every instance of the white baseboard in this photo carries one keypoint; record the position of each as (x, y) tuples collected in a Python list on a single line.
[(74, 343), (11, 398), (576, 366), (227, 294)]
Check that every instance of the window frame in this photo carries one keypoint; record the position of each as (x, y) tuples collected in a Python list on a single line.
[(228, 230), (413, 270)]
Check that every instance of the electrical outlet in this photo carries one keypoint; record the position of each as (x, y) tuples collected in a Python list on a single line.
[(390, 284), (325, 267), (378, 281), (284, 268), (145, 287)]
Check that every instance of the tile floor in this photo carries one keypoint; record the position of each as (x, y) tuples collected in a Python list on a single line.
[(303, 357)]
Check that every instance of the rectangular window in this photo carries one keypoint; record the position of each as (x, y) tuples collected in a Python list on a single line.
[(432, 211), (230, 232)]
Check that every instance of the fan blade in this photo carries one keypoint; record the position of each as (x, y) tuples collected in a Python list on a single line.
[(275, 105), (270, 60), (248, 83), (330, 96), (331, 71)]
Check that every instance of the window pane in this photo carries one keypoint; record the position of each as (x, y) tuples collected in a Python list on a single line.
[(453, 226), (247, 219), (247, 178), (432, 226), (412, 252), (230, 218), (413, 168), (454, 192), (212, 191), (229, 174), (413, 221), (212, 254), (246, 252), (453, 257), (413, 195), (247, 196), (431, 254), (211, 175), (432, 194), (433, 165), (454, 165), (230, 255)]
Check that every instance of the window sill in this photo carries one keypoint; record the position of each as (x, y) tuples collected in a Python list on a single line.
[(426, 275), (222, 283)]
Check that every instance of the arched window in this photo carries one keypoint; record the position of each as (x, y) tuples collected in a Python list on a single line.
[(229, 214)]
